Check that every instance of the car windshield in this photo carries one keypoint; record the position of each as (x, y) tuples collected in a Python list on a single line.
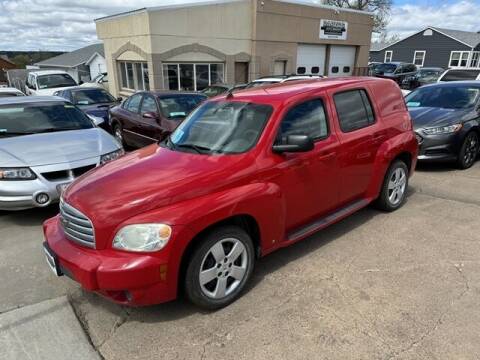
[(385, 68), (429, 74), (458, 75), (179, 106), (261, 83), (27, 119), (55, 81), (221, 127), (448, 97), (92, 96)]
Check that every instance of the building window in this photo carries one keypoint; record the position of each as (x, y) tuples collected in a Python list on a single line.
[(388, 56), (459, 59), (134, 75), (192, 77), (301, 70), (475, 57), (428, 32), (419, 57)]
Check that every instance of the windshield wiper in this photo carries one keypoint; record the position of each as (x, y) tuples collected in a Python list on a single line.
[(50, 130), (198, 149), (9, 133)]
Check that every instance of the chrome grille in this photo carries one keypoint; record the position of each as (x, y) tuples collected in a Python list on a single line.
[(77, 227)]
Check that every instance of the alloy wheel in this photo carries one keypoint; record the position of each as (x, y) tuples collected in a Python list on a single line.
[(223, 268), (396, 186), (118, 134), (471, 150)]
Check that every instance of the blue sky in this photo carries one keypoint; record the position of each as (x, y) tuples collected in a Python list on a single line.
[(68, 24)]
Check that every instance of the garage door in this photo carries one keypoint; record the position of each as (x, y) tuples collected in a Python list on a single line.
[(342, 60), (311, 59)]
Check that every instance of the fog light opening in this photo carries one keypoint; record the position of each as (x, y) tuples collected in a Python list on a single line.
[(42, 199)]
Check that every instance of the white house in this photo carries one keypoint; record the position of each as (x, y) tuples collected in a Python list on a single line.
[(82, 64)]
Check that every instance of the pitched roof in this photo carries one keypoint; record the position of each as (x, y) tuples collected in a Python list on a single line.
[(74, 58), (468, 37), (5, 58)]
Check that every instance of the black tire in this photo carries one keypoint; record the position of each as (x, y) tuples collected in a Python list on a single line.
[(116, 130), (202, 259), (469, 151), (384, 201)]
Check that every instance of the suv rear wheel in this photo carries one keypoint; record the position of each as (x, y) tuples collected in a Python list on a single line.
[(220, 267), (394, 188)]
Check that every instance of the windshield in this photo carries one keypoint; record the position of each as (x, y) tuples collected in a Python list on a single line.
[(221, 127), (429, 74), (448, 97), (92, 96), (26, 119), (260, 83), (179, 106), (459, 75), (55, 81), (385, 68)]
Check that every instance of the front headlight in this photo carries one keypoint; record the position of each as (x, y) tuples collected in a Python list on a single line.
[(111, 156), (142, 237), (443, 129), (17, 174)]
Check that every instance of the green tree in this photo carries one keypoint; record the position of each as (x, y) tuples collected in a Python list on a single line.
[(381, 9), (21, 60)]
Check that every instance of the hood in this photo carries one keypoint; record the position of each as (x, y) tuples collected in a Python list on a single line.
[(55, 148), (100, 110), (49, 92), (148, 179), (423, 117)]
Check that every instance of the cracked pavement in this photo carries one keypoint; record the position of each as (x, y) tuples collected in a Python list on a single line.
[(375, 286)]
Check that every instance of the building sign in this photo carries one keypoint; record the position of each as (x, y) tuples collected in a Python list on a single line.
[(333, 30)]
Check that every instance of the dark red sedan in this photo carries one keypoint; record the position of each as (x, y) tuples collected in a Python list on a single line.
[(147, 117)]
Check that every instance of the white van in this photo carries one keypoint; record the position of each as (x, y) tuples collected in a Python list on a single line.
[(46, 82)]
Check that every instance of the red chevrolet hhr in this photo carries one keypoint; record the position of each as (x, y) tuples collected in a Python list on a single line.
[(243, 175)]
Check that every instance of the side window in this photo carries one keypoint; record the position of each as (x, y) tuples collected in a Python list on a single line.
[(354, 110), (308, 118), (149, 105), (134, 103)]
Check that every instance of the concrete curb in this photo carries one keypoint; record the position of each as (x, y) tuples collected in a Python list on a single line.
[(47, 330)]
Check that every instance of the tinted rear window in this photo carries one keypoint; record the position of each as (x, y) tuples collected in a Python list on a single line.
[(459, 75), (354, 110)]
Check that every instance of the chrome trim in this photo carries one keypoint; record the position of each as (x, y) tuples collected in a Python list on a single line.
[(135, 133), (77, 226)]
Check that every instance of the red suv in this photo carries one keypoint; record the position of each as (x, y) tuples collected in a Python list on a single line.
[(245, 174)]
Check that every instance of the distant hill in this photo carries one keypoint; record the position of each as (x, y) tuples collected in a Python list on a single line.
[(23, 58)]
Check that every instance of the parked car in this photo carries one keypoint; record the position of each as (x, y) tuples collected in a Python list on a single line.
[(9, 92), (446, 120), (92, 101), (147, 117), (45, 143), (396, 71), (242, 176), (100, 81), (219, 89), (460, 75), (47, 82), (424, 76), (270, 80)]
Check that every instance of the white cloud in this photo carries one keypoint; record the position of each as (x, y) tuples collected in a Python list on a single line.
[(410, 18)]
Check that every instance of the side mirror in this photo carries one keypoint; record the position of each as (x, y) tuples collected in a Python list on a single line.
[(80, 82), (294, 143), (97, 121), (150, 115), (119, 99)]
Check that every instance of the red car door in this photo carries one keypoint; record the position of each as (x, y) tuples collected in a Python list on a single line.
[(149, 126), (361, 135), (309, 179)]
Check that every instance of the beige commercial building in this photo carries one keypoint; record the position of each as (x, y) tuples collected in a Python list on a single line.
[(188, 47)]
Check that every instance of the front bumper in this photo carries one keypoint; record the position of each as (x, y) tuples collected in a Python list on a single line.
[(438, 147), (21, 195), (133, 279)]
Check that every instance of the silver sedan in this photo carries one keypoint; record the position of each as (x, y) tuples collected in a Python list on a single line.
[(45, 143)]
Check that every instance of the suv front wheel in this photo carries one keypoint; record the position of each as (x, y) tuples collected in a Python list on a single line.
[(220, 267), (394, 188)]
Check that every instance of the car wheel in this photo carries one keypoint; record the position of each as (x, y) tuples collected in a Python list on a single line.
[(118, 134), (219, 268), (394, 188), (469, 151)]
